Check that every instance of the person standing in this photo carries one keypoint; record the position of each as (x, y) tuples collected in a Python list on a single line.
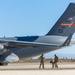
[(56, 61), (41, 61)]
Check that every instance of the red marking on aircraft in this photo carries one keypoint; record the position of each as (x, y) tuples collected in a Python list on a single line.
[(66, 24)]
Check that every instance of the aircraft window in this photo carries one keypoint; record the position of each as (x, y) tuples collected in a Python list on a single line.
[(60, 30)]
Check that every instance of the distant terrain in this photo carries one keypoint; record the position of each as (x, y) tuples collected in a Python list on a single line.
[(48, 57), (61, 55)]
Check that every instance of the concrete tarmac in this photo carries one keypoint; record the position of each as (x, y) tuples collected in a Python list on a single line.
[(33, 69), (35, 66)]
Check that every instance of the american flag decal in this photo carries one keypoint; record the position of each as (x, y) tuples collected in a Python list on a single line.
[(70, 18)]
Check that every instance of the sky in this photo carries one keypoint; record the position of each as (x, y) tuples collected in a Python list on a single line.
[(31, 17)]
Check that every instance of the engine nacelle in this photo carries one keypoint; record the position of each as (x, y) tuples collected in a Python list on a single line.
[(1, 47)]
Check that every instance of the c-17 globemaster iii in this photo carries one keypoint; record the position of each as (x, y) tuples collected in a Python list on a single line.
[(14, 48)]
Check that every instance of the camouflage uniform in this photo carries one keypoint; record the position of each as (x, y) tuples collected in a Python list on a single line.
[(55, 61), (41, 61)]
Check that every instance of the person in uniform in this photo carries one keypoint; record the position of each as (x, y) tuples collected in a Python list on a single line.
[(41, 61), (56, 61)]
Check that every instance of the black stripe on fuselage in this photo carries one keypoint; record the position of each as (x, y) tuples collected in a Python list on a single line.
[(28, 38)]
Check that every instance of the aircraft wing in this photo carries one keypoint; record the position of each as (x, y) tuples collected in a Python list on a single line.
[(26, 44), (14, 43)]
